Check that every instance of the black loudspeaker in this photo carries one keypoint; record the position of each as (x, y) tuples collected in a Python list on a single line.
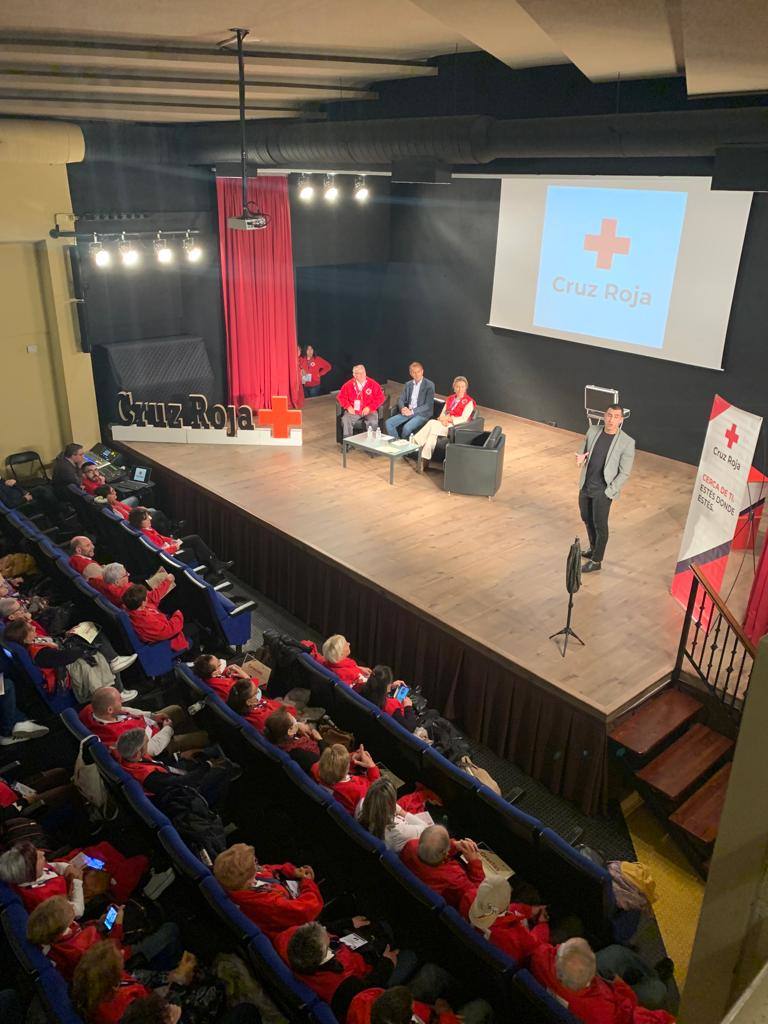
[(741, 169), (154, 369)]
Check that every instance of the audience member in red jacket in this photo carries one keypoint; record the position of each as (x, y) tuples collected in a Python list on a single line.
[(113, 583), (312, 368), (333, 772), (82, 552), (516, 928), (434, 858), (52, 925), (360, 397), (298, 739), (150, 623), (396, 1005), (92, 478), (101, 988), (217, 674), (263, 891), (109, 494), (569, 972), (336, 657), (26, 868), (379, 689), (169, 729), (330, 968), (246, 699), (196, 551)]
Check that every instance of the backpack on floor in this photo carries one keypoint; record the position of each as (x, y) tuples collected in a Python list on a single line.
[(445, 737), (199, 826)]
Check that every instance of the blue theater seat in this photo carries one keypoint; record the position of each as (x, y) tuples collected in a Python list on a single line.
[(359, 835), (480, 947), (426, 896), (24, 672), (14, 923), (54, 995), (448, 781), (243, 929), (72, 722), (576, 882), (139, 802), (182, 858), (399, 749), (155, 659), (318, 794), (541, 1007), (267, 964)]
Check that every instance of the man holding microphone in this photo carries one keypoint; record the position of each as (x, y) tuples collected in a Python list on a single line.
[(606, 461)]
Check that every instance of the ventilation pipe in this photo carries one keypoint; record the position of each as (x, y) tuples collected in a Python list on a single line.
[(41, 142)]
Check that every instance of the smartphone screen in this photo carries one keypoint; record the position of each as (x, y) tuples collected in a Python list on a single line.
[(110, 917), (402, 692), (93, 862)]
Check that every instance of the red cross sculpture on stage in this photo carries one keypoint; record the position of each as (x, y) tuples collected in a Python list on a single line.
[(606, 244), (731, 436), (280, 418)]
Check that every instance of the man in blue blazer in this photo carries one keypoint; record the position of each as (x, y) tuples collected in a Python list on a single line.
[(415, 405)]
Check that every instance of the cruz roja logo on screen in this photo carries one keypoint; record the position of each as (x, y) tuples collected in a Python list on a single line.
[(631, 297)]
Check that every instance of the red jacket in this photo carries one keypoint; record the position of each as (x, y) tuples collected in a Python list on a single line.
[(152, 625), (125, 872), (166, 543), (359, 1011), (111, 1010), (112, 591), (139, 770), (221, 685), (326, 979), (65, 952), (347, 670), (349, 792), (271, 907), (79, 562), (259, 714), (371, 395), (511, 934), (456, 882), (90, 486), (50, 675), (316, 366), (120, 509), (601, 1002), (110, 732)]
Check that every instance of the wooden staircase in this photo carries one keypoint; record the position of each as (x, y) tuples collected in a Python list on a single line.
[(679, 765)]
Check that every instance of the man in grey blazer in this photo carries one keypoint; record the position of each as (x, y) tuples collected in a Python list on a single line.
[(606, 461), (415, 405)]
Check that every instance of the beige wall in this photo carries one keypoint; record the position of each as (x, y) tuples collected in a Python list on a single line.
[(48, 395)]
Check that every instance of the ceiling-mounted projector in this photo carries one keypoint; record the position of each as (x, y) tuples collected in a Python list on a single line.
[(251, 222)]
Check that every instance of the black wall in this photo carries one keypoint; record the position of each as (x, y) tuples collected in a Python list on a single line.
[(431, 302)]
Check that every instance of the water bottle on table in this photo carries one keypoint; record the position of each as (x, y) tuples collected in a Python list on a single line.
[(369, 433)]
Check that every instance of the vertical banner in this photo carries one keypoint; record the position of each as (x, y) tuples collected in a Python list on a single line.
[(718, 496)]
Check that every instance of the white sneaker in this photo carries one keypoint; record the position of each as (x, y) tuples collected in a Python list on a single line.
[(128, 695), (122, 661), (27, 730)]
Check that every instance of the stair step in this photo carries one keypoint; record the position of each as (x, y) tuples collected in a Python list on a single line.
[(699, 816), (678, 767), (642, 730)]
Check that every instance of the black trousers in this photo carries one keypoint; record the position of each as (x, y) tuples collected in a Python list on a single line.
[(594, 511)]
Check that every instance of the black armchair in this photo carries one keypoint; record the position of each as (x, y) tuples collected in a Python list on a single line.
[(461, 431), (383, 412), (475, 465)]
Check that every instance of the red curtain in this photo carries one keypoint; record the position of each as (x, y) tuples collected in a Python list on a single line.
[(258, 289), (756, 618)]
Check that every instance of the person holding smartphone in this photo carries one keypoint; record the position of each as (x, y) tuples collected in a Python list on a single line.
[(390, 695)]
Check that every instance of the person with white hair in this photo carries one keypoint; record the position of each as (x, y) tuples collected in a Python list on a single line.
[(336, 657), (458, 408), (107, 717), (206, 770), (570, 972), (113, 583), (516, 928), (435, 858), (360, 397)]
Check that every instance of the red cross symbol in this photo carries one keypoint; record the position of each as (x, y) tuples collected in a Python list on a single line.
[(280, 418), (731, 436), (606, 244)]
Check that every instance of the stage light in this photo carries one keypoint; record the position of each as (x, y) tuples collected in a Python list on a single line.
[(330, 191), (163, 251), (129, 256), (192, 250), (361, 192), (101, 257), (306, 189)]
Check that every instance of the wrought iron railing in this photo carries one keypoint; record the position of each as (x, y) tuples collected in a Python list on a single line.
[(713, 643)]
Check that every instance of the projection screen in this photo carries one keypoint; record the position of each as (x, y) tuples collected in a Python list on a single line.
[(641, 265)]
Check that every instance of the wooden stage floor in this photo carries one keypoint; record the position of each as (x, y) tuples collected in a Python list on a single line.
[(491, 572)]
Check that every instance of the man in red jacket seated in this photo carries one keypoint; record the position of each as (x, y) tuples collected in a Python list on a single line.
[(273, 896), (92, 478), (329, 967), (434, 858), (82, 552), (569, 973), (516, 928), (150, 623), (113, 583), (169, 729), (52, 925), (360, 397), (398, 1005)]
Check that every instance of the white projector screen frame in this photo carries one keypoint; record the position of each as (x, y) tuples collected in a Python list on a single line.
[(705, 271)]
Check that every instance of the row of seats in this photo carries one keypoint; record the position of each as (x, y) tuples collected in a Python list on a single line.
[(571, 881), (366, 859), (295, 999)]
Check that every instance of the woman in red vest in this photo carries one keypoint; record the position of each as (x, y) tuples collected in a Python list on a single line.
[(196, 551), (457, 409), (101, 988), (246, 699), (312, 368)]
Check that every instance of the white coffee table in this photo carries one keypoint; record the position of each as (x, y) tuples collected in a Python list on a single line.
[(386, 445)]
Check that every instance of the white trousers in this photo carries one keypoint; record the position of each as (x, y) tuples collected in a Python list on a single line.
[(428, 435)]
